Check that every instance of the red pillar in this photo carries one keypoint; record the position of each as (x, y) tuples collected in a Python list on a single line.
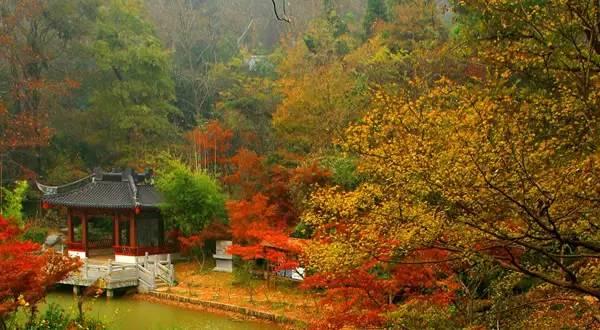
[(84, 229), (161, 232), (117, 231), (69, 228), (132, 233)]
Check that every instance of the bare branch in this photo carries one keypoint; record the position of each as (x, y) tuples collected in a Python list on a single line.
[(280, 18)]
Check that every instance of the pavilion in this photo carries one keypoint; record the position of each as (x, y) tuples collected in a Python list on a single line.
[(110, 213)]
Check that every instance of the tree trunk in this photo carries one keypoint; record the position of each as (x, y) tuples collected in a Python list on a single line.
[(2, 324)]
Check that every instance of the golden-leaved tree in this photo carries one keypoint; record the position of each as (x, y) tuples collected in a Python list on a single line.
[(501, 167)]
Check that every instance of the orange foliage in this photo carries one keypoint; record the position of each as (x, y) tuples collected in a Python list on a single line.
[(248, 172), (211, 142), (361, 297)]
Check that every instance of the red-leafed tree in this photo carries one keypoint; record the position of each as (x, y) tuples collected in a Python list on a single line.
[(361, 298), (26, 272), (259, 232), (210, 145), (194, 245), (249, 175), (262, 223)]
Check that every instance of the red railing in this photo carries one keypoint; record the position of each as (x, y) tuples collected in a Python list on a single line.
[(75, 246), (105, 243), (141, 250)]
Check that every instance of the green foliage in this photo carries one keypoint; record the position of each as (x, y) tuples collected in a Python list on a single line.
[(422, 316), (376, 10), (302, 230), (132, 109), (36, 234), (57, 318), (248, 97), (12, 204), (243, 276), (54, 318), (344, 170), (192, 199)]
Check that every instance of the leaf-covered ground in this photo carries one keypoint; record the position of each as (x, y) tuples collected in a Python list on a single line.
[(280, 297)]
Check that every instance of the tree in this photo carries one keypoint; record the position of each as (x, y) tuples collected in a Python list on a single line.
[(376, 11), (133, 95), (210, 146), (26, 273), (249, 174), (11, 202), (192, 200), (260, 233), (262, 223), (34, 36), (247, 97), (496, 167)]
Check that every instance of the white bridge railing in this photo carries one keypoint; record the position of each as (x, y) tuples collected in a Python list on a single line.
[(115, 274)]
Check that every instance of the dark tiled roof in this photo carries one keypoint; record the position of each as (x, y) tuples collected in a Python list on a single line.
[(148, 196), (125, 190)]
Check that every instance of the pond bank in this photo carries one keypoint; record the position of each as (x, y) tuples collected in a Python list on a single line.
[(213, 306), (277, 299), (129, 312)]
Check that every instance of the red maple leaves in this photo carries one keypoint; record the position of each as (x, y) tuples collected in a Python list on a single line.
[(25, 271), (361, 298)]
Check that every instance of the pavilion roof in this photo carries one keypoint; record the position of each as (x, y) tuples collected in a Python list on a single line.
[(110, 190)]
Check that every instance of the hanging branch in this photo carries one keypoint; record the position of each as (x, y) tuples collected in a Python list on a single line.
[(280, 18)]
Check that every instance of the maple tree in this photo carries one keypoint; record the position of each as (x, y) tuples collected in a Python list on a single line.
[(266, 215), (259, 232), (210, 145), (26, 272), (248, 173)]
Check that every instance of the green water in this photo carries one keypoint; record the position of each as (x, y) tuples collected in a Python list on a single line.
[(123, 313)]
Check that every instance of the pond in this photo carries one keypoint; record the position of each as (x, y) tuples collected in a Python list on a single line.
[(124, 312)]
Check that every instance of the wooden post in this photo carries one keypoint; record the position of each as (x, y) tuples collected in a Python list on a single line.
[(69, 228), (109, 267), (171, 274), (132, 233), (116, 230), (161, 231), (168, 258), (84, 229), (85, 268), (146, 260)]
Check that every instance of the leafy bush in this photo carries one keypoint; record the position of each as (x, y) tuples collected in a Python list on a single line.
[(343, 169), (54, 318), (12, 206), (243, 277), (36, 234), (192, 199), (422, 315)]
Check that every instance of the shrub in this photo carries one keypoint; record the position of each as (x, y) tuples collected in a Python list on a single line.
[(36, 234), (54, 318), (12, 206), (192, 199)]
